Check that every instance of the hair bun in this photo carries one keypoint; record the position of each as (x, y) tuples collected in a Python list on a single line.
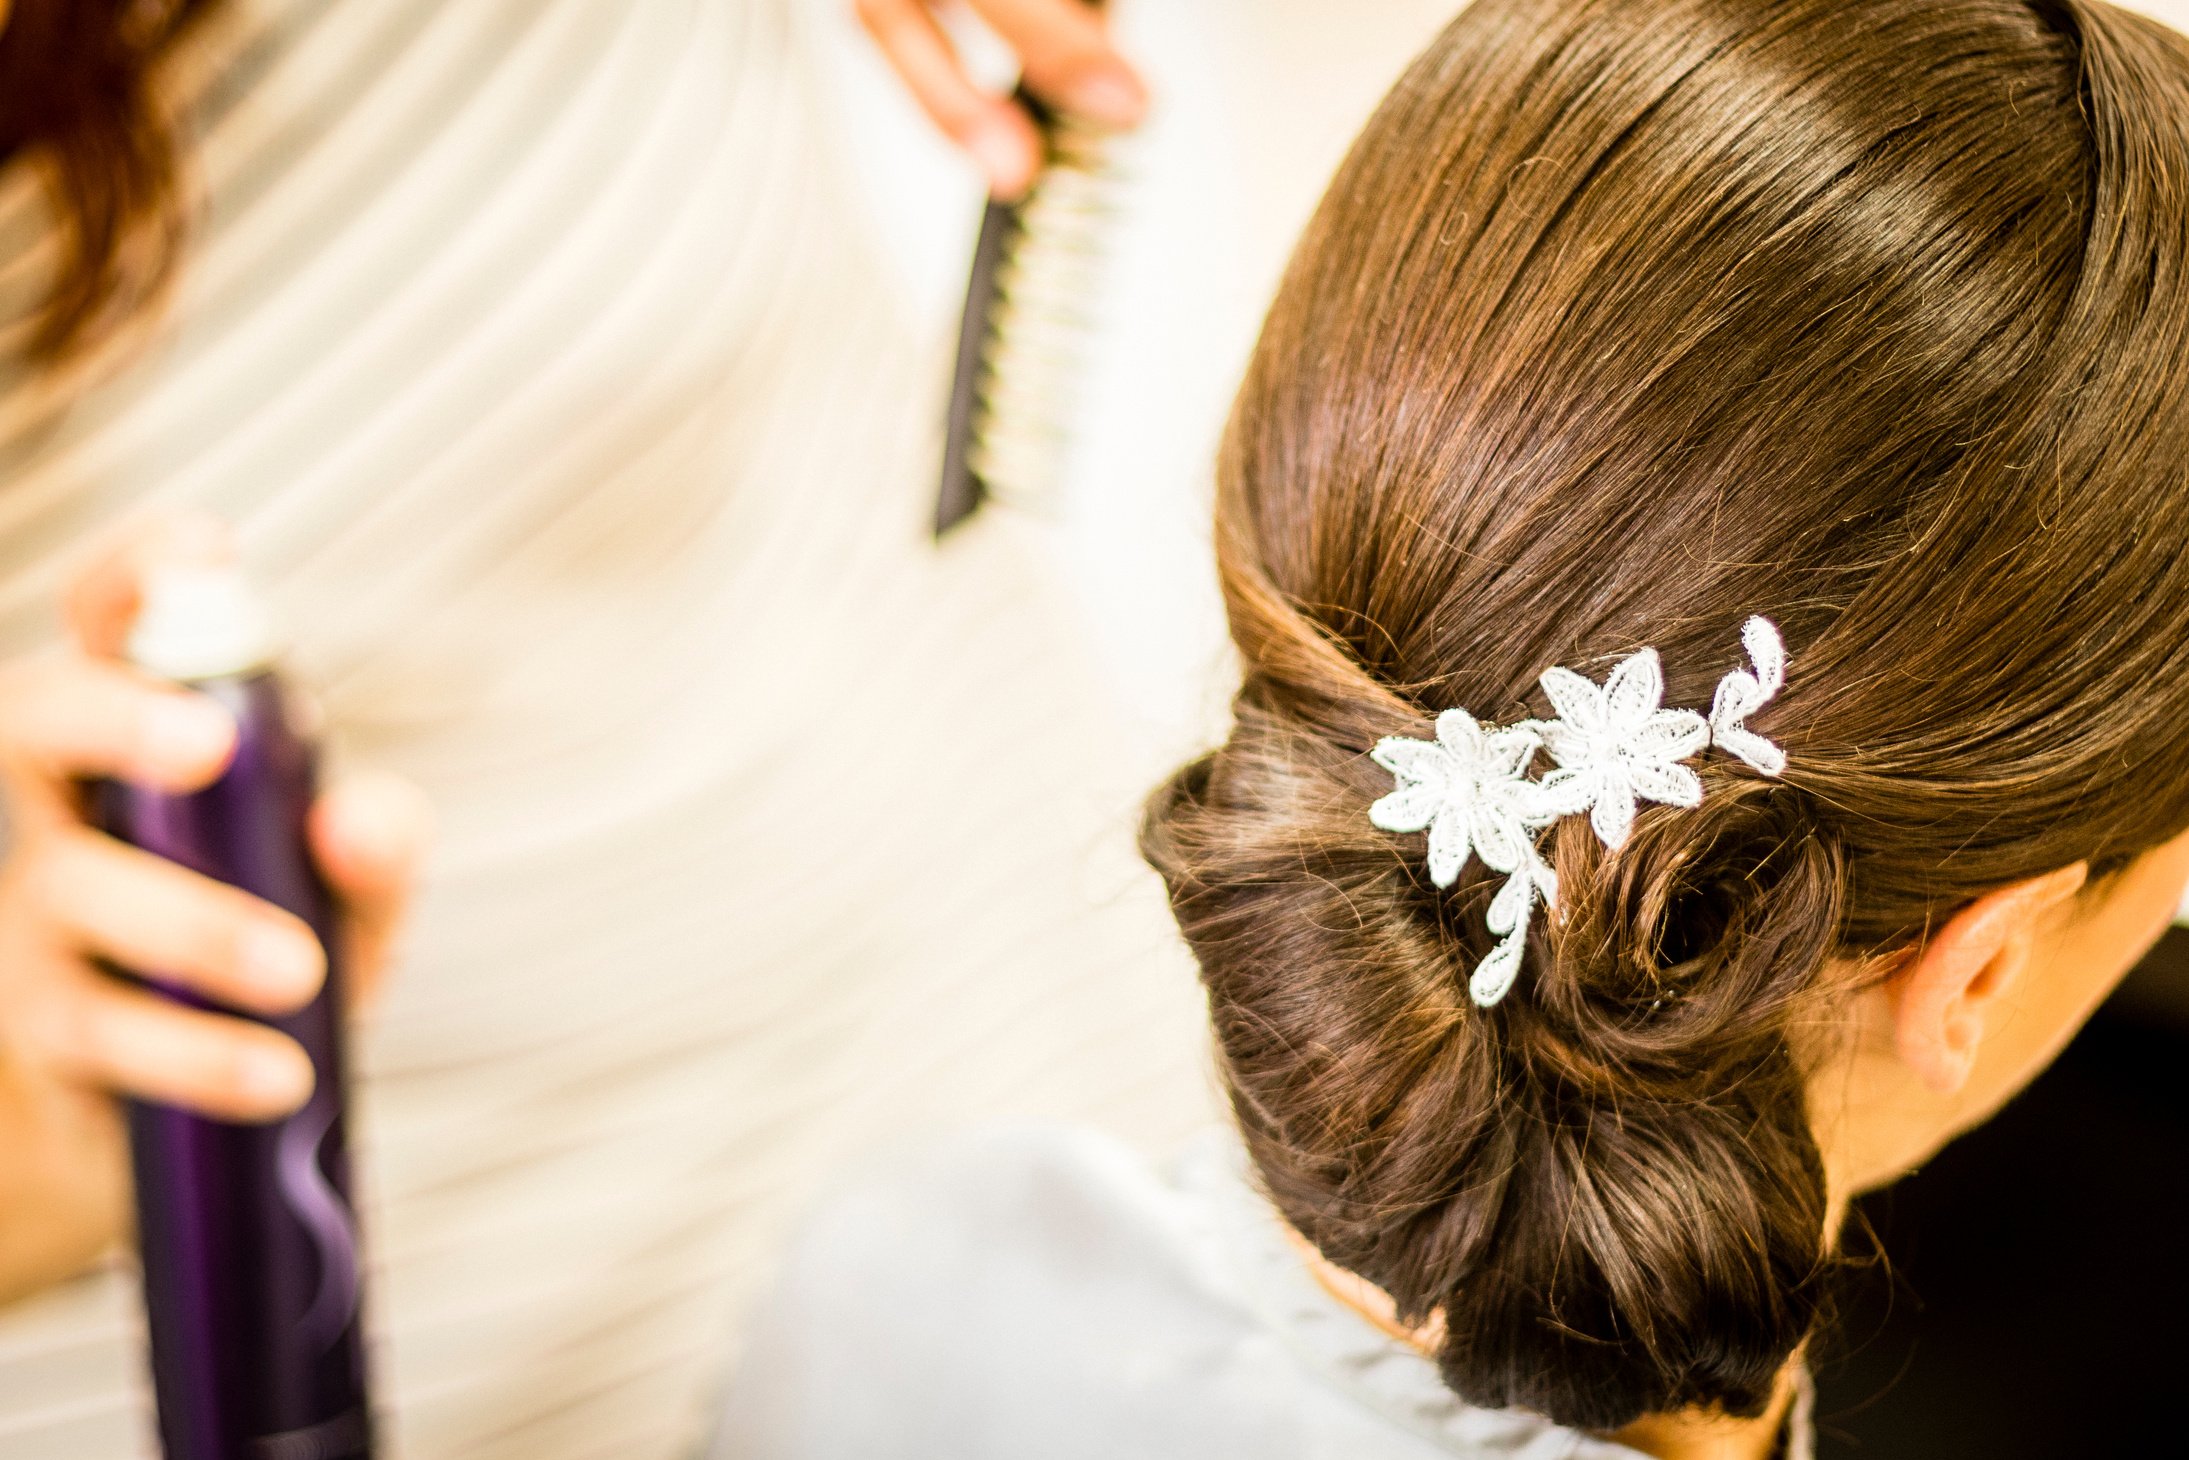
[(1662, 1232), (1705, 933), (1606, 1186)]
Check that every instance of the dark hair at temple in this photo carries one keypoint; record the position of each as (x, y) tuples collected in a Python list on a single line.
[(76, 100)]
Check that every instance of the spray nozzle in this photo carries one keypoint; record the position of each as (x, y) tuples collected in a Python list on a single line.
[(200, 621)]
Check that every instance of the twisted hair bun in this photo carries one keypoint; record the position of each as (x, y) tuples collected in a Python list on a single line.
[(1614, 1165), (1622, 321)]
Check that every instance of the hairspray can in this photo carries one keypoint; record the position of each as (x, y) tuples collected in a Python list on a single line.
[(247, 1232)]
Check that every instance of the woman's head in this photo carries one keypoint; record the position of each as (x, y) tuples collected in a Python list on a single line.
[(1624, 321)]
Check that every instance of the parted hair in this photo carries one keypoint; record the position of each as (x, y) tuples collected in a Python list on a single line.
[(1622, 320)]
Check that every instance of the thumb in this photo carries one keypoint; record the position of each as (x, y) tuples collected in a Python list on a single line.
[(369, 833)]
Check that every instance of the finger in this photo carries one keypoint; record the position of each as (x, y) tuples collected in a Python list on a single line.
[(64, 716), (1068, 60), (102, 598), (151, 916), (998, 135), (369, 833), (102, 1031)]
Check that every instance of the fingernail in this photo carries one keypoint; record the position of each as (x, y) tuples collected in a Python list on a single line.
[(275, 1078), (281, 962), (1002, 156), (1110, 95), (187, 732)]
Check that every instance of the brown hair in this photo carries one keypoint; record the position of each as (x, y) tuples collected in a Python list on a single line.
[(1625, 319), (75, 95)]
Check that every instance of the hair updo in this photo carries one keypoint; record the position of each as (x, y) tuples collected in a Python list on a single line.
[(1623, 320)]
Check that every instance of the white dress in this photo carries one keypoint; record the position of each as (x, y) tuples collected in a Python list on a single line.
[(1045, 1292)]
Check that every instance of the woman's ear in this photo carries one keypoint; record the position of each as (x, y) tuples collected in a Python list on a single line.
[(1947, 996)]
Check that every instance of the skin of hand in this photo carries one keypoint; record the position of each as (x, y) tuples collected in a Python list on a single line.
[(73, 902), (1065, 56)]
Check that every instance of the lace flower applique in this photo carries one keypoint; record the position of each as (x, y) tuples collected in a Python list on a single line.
[(1612, 744), (1469, 789), (1615, 744), (1741, 694)]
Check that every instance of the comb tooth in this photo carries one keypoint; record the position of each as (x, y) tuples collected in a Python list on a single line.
[(1037, 274)]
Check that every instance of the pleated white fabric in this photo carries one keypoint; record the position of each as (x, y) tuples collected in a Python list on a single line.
[(567, 415)]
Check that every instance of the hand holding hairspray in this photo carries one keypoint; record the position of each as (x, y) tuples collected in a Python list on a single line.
[(248, 1234)]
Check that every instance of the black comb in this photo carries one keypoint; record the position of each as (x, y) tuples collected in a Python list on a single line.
[(1000, 225), (1023, 314)]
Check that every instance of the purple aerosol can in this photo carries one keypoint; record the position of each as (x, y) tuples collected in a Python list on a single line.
[(247, 1232)]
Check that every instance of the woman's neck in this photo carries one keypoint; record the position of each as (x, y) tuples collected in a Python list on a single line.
[(1690, 1435)]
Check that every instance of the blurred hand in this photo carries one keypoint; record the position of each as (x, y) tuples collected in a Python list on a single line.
[(1064, 53), (72, 898)]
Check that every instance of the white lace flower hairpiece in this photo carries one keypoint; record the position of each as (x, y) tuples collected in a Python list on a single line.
[(1613, 744)]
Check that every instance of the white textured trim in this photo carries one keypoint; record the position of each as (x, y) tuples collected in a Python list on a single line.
[(1741, 694), (1614, 744)]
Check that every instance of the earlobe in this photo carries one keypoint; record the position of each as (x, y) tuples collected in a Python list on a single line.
[(1946, 996)]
